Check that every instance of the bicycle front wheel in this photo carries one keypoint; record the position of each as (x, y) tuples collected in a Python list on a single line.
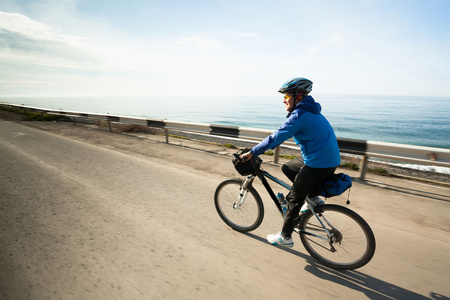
[(241, 214), (338, 237)]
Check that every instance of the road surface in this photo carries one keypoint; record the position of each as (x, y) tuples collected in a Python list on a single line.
[(88, 214)]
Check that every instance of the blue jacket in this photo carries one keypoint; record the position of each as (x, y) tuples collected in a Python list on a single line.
[(311, 131)]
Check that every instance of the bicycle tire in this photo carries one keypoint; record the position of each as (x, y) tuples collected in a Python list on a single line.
[(355, 242), (244, 218)]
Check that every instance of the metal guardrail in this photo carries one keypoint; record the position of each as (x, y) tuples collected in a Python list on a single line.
[(366, 149)]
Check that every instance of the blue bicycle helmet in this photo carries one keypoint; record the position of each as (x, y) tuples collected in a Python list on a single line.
[(298, 84)]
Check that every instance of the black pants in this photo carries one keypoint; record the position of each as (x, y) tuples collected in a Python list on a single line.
[(304, 180)]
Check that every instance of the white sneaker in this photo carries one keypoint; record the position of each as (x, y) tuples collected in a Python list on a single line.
[(279, 239), (316, 201)]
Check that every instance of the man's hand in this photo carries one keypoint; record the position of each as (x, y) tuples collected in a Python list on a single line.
[(246, 156)]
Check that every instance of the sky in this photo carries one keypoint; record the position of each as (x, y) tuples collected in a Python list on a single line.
[(223, 47)]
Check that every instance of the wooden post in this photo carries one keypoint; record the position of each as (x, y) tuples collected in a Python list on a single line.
[(167, 135)]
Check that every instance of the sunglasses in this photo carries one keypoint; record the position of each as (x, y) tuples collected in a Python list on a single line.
[(287, 96)]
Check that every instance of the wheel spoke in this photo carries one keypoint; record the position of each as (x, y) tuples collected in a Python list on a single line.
[(312, 241), (240, 209), (352, 243)]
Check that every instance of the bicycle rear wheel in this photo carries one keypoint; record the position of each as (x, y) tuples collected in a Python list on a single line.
[(245, 216), (351, 244)]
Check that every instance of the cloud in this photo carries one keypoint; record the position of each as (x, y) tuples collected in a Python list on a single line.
[(27, 41), (23, 25)]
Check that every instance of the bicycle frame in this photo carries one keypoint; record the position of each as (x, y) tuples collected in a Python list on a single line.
[(262, 175)]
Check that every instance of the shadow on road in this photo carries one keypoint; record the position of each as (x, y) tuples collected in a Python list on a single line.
[(292, 251), (372, 287)]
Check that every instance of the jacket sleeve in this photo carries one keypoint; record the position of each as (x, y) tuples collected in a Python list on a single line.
[(285, 132)]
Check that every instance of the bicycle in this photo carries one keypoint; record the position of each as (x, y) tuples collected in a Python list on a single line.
[(342, 240)]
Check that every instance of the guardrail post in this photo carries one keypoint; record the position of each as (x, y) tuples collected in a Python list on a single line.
[(167, 135), (109, 124), (276, 155), (363, 167)]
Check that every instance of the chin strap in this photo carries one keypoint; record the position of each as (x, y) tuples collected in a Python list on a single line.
[(295, 104)]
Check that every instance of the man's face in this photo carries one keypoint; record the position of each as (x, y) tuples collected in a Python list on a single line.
[(288, 102)]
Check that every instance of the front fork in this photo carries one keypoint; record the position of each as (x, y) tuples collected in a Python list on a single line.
[(244, 191)]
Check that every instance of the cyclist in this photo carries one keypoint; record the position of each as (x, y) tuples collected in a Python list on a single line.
[(318, 145)]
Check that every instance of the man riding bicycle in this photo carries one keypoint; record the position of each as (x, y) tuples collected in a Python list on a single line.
[(318, 145)]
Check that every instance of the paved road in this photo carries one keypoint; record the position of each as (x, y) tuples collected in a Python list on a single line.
[(86, 219)]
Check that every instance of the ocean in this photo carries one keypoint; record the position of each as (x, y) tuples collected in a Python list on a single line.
[(421, 121)]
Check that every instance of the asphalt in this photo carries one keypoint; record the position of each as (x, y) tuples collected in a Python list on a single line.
[(89, 214)]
